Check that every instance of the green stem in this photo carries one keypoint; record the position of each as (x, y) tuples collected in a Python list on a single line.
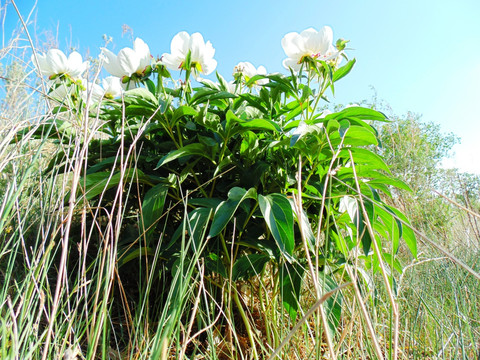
[(248, 328), (238, 303)]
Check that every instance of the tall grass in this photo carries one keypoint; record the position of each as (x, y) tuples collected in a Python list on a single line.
[(67, 292)]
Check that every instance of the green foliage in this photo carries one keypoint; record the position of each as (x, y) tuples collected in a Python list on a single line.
[(238, 169), (219, 187), (414, 152)]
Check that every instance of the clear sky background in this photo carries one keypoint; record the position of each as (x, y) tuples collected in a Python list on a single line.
[(421, 56)]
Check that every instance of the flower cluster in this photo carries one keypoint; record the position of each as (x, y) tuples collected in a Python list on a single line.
[(131, 67), (63, 71)]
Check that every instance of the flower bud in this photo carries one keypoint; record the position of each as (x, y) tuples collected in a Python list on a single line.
[(341, 44), (146, 72)]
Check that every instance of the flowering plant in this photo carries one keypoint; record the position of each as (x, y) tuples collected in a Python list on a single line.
[(55, 64), (190, 53), (308, 46), (267, 176), (129, 64)]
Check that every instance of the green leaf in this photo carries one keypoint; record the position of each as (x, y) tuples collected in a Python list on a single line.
[(223, 83), (333, 305), (366, 239), (291, 286), (306, 227), (295, 112), (139, 110), (97, 183), (150, 86), (195, 227), (364, 156), (152, 206), (188, 150), (393, 262), (222, 95), (225, 210), (197, 224), (134, 253), (278, 214), (257, 124), (407, 233), (392, 225), (344, 126), (344, 70), (249, 266), (254, 101), (357, 112), (202, 94), (214, 264), (359, 136), (341, 242), (140, 93), (183, 111)]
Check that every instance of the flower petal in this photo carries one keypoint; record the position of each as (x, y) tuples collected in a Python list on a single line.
[(143, 52), (292, 63), (128, 61), (179, 44), (209, 50), (57, 61), (197, 46), (293, 45), (112, 86), (110, 63), (76, 65), (209, 66), (325, 38), (311, 41), (43, 65), (171, 61)]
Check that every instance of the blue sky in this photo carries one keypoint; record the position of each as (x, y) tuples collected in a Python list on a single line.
[(421, 56)]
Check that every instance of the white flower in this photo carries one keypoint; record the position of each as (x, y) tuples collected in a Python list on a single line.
[(248, 71), (303, 128), (58, 91), (112, 87), (128, 61), (349, 204), (201, 54), (54, 62), (232, 87), (93, 90), (309, 43)]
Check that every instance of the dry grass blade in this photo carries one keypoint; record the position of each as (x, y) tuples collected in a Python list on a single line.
[(309, 313), (381, 264), (299, 210), (457, 204)]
